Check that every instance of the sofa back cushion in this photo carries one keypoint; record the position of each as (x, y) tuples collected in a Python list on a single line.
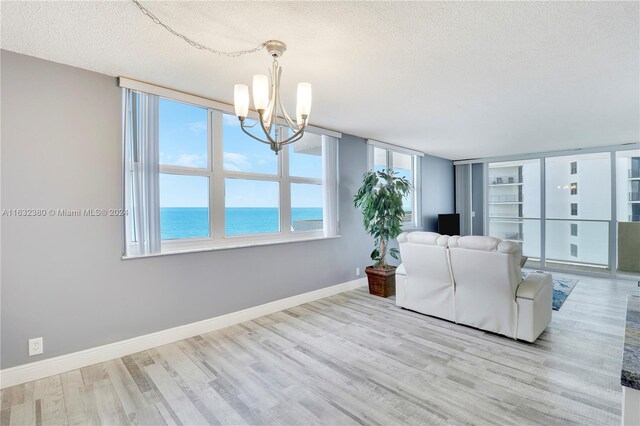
[(426, 265), (486, 272)]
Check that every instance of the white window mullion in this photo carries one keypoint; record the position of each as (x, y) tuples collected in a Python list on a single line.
[(285, 192), (217, 184), (253, 176), (176, 170), (312, 181)]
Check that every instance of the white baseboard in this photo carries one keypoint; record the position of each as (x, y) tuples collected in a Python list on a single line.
[(60, 364)]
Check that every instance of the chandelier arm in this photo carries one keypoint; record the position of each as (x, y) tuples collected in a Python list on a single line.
[(286, 116), (254, 137), (295, 137), (267, 131), (291, 140)]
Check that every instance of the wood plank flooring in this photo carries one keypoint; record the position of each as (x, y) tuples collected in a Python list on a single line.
[(354, 359)]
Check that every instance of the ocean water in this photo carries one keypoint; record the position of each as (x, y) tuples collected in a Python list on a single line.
[(193, 222)]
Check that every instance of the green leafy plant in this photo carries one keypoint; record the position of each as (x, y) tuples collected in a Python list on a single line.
[(380, 199)]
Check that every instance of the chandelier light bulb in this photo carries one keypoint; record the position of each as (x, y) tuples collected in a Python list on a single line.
[(304, 99), (260, 92), (241, 100)]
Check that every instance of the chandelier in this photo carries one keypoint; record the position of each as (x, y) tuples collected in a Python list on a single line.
[(267, 101)]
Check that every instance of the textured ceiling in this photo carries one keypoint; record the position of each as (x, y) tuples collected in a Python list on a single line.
[(454, 79)]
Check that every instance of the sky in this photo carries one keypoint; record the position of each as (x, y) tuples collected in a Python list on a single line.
[(183, 142)]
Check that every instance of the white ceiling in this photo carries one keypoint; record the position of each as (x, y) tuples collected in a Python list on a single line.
[(453, 79)]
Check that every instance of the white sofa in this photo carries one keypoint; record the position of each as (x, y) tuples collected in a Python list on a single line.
[(474, 281)]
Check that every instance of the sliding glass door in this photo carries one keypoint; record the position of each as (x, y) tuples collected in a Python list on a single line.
[(514, 204), (578, 212)]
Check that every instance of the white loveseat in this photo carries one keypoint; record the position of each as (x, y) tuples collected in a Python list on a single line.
[(474, 281)]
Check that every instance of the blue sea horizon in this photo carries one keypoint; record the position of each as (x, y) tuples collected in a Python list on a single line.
[(193, 222)]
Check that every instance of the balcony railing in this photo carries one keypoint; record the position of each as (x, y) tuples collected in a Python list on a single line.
[(503, 214), (505, 180), (634, 173), (634, 196), (514, 198), (634, 218)]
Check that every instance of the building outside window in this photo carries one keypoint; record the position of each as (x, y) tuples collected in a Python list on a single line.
[(574, 167), (574, 188), (574, 209)]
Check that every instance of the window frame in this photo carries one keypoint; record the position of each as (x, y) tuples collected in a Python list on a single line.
[(217, 176), (416, 164)]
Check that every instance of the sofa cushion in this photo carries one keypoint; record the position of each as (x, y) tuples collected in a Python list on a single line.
[(428, 238), (509, 247), (475, 243)]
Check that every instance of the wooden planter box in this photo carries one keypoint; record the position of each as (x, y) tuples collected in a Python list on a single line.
[(381, 283)]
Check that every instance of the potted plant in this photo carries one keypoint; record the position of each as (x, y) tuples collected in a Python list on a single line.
[(380, 199)]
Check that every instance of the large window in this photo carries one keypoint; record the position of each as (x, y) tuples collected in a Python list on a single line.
[(406, 164), (194, 180)]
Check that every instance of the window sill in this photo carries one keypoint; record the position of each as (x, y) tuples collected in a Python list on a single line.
[(228, 245)]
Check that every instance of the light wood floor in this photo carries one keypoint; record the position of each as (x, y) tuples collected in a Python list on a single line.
[(354, 358)]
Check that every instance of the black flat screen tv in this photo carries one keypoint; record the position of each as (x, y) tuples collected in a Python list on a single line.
[(449, 224)]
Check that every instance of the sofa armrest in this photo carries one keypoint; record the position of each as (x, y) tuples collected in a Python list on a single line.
[(400, 270), (533, 284)]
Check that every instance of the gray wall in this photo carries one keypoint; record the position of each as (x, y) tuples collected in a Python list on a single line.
[(437, 190), (62, 277)]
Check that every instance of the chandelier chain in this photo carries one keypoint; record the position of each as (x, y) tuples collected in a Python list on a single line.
[(193, 43)]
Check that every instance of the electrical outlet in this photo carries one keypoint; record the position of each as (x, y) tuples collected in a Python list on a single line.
[(35, 346), (357, 272)]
